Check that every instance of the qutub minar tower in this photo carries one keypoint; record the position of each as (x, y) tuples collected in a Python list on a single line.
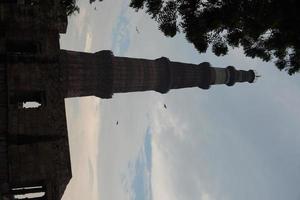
[(34, 149)]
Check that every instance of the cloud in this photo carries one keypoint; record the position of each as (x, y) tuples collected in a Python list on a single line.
[(98, 22), (173, 173), (81, 21), (88, 42), (123, 144), (83, 118), (205, 196), (138, 180), (120, 33), (91, 173)]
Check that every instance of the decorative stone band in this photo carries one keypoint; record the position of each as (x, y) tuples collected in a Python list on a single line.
[(87, 74), (228, 76), (239, 76), (221, 76), (166, 75)]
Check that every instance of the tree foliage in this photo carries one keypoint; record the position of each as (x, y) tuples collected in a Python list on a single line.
[(266, 29), (70, 6), (92, 1), (263, 28)]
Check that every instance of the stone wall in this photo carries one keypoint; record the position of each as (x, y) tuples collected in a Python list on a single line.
[(34, 148), (3, 125)]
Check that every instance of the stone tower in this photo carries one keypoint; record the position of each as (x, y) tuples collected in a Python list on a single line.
[(102, 74), (34, 149)]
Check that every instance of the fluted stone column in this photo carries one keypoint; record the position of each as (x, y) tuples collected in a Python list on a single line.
[(103, 74), (162, 75)]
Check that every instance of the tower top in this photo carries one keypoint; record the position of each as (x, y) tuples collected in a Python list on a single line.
[(257, 76)]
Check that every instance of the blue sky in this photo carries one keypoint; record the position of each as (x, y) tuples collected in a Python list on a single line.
[(234, 143), (140, 181)]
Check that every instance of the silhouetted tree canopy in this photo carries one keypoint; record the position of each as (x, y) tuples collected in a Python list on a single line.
[(70, 6), (92, 1), (266, 29)]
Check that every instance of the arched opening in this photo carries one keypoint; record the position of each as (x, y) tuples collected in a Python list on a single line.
[(37, 192), (28, 99), (31, 104)]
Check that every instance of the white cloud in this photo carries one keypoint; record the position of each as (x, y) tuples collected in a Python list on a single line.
[(88, 42), (172, 177), (99, 23), (120, 144), (83, 116), (81, 21), (205, 196)]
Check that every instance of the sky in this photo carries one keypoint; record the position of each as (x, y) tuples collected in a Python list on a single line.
[(225, 143)]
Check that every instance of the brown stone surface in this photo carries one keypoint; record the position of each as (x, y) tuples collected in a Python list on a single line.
[(34, 148)]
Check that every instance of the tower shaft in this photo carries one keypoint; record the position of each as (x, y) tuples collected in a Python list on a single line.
[(102, 74)]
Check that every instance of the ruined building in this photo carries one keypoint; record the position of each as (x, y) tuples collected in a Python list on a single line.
[(34, 149)]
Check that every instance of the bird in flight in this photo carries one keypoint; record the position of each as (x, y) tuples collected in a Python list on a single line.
[(165, 106), (137, 30), (95, 8), (117, 123)]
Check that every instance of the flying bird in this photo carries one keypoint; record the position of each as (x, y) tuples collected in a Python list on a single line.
[(95, 8), (117, 123), (137, 30), (165, 106)]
